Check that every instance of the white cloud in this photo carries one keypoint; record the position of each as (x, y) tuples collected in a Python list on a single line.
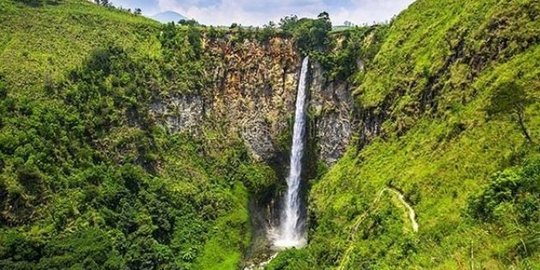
[(368, 11), (259, 12)]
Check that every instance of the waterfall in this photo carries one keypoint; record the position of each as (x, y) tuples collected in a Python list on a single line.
[(291, 231)]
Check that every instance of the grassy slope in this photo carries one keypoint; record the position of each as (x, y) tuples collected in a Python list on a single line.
[(203, 206), (37, 44), (445, 156)]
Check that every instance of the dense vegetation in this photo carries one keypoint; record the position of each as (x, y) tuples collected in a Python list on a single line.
[(88, 179)]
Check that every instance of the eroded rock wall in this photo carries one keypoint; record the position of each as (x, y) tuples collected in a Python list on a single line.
[(331, 105), (252, 92), (254, 89)]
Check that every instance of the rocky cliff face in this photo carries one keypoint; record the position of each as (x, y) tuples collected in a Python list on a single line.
[(331, 105), (180, 113), (253, 91)]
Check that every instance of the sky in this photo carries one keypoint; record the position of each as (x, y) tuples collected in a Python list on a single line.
[(260, 12)]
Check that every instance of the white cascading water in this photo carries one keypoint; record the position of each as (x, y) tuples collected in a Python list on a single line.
[(291, 233)]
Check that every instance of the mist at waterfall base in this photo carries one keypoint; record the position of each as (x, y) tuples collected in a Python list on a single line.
[(291, 232)]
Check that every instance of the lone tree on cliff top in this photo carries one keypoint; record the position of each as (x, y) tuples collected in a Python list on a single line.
[(511, 99)]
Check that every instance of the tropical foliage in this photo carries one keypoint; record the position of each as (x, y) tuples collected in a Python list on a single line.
[(89, 179)]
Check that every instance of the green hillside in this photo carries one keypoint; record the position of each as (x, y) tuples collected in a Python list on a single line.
[(443, 171), (87, 179), (41, 43), (471, 176)]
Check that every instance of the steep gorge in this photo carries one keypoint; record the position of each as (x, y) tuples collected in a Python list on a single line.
[(252, 92), (170, 148)]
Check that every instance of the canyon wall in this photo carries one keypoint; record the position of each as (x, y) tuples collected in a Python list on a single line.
[(252, 91)]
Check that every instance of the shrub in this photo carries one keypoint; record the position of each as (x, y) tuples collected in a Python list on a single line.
[(518, 186)]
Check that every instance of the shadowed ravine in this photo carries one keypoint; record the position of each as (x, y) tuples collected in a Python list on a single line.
[(291, 231)]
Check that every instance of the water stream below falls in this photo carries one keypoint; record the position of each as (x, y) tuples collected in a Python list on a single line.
[(291, 232)]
